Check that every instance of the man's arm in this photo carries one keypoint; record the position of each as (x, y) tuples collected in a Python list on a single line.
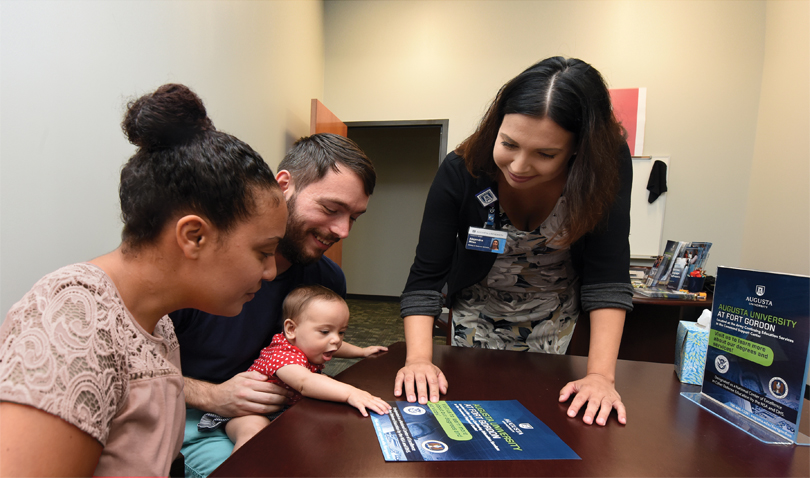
[(247, 393)]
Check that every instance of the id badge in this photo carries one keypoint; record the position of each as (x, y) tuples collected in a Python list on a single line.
[(486, 240)]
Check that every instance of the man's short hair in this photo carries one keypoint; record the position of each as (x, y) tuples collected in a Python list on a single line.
[(300, 297), (311, 157)]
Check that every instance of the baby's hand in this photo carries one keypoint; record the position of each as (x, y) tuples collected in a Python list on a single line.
[(362, 400), (374, 350)]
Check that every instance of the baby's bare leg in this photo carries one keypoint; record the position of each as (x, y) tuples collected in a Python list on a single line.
[(242, 429)]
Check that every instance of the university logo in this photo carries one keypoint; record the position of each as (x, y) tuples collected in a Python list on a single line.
[(486, 197), (760, 290)]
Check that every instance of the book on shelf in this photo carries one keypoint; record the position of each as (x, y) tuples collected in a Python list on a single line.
[(679, 273), (642, 290), (638, 273), (701, 249), (668, 276), (653, 273), (665, 264)]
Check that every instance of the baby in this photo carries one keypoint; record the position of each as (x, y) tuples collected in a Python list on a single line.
[(315, 319)]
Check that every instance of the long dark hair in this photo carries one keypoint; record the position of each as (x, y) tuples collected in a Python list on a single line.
[(572, 94), (184, 165)]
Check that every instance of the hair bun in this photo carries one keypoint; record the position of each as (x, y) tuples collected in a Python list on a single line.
[(172, 115)]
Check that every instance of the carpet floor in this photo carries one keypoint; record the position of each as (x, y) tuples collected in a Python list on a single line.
[(371, 322)]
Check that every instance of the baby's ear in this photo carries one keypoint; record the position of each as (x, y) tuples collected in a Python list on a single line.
[(289, 329)]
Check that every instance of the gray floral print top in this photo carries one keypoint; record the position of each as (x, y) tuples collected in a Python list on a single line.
[(529, 301)]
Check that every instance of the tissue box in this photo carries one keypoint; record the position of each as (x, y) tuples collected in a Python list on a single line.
[(691, 343)]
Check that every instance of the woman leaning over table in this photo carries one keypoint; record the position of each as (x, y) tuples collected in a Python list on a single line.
[(548, 168), (90, 379)]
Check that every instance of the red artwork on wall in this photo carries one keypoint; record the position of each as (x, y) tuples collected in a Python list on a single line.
[(629, 106)]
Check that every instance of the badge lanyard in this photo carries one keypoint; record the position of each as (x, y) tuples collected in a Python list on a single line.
[(490, 224), (487, 238)]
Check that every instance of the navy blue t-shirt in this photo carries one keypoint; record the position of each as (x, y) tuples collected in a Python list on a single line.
[(215, 348)]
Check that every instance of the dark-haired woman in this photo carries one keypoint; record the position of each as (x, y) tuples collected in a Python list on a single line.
[(90, 380), (547, 169)]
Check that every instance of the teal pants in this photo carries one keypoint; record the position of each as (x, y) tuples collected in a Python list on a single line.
[(203, 451)]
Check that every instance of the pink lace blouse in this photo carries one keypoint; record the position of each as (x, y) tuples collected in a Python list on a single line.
[(70, 347)]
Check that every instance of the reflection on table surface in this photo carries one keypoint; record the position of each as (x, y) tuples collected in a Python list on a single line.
[(665, 435)]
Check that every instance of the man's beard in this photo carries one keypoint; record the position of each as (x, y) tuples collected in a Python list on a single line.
[(291, 245)]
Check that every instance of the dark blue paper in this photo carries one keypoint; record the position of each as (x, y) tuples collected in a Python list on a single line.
[(767, 314), (497, 430)]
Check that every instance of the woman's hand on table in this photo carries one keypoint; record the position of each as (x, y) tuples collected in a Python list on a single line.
[(600, 395), (420, 379)]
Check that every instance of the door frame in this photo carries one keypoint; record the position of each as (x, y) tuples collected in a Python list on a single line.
[(444, 123)]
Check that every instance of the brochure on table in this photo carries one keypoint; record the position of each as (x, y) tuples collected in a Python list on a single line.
[(757, 360), (466, 430)]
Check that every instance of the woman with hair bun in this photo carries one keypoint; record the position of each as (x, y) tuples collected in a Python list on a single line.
[(547, 171), (90, 380)]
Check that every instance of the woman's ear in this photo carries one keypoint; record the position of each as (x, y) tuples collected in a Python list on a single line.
[(285, 180), (289, 329), (192, 234)]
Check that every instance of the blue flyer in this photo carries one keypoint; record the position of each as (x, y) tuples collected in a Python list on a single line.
[(757, 359), (466, 430)]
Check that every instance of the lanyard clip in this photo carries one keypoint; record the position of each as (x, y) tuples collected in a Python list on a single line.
[(490, 224), (488, 198)]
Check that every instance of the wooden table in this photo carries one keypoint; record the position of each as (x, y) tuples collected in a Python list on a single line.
[(649, 330), (666, 434)]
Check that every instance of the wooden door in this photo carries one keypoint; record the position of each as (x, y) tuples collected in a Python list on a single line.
[(321, 120)]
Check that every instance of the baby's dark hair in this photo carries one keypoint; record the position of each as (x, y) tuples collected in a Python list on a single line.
[(183, 165), (299, 298)]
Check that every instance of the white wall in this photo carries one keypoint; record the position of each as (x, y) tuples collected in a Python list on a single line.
[(67, 69), (777, 226), (701, 61)]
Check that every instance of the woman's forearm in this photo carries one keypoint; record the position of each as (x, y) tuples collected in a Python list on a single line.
[(607, 326), (419, 338)]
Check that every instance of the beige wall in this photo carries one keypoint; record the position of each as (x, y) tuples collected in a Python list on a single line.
[(701, 61), (67, 69), (777, 226)]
